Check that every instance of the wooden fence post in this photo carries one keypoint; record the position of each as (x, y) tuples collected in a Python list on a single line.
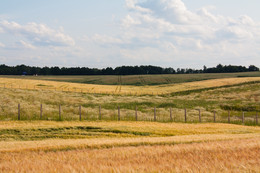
[(79, 112), (171, 114), (118, 113), (19, 112), (199, 116), (60, 112), (185, 115), (214, 116), (154, 113), (243, 118), (99, 112), (41, 112), (256, 118), (228, 116), (136, 118)]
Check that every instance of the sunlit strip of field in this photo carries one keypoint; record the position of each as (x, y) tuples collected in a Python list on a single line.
[(162, 129), (70, 144), (154, 134), (124, 90)]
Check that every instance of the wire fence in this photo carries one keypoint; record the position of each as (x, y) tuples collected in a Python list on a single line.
[(81, 113)]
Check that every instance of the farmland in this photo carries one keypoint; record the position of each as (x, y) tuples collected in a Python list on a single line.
[(219, 95), (139, 80), (101, 142)]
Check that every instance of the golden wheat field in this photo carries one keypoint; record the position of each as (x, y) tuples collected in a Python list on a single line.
[(44, 146), (120, 89), (53, 140)]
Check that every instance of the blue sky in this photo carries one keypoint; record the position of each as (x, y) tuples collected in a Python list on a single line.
[(101, 33)]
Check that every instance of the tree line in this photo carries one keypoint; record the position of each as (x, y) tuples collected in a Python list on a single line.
[(123, 70)]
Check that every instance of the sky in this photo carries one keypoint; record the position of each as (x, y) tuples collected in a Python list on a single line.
[(111, 33)]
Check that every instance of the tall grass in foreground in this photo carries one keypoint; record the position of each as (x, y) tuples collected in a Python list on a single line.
[(220, 156)]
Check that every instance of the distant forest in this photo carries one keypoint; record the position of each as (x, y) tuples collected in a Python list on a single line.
[(123, 70)]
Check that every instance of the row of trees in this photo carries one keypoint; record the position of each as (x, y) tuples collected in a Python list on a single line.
[(123, 70)]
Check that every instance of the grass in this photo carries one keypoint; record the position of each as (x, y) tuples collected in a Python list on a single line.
[(236, 98)]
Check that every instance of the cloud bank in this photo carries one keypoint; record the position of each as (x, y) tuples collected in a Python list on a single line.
[(174, 32), (37, 34)]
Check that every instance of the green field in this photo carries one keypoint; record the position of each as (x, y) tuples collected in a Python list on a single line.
[(139, 80)]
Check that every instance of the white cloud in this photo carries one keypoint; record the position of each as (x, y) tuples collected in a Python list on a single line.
[(38, 34), (246, 20), (132, 5), (129, 21), (23, 44), (2, 45), (104, 39)]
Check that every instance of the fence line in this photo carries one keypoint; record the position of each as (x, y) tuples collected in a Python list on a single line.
[(241, 118)]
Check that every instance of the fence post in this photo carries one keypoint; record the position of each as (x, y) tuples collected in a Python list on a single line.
[(228, 116), (60, 112), (136, 119), (79, 112), (199, 116), (118, 113), (256, 119), (214, 116), (185, 115), (171, 114), (243, 118), (99, 112), (19, 112), (41, 112), (154, 113)]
